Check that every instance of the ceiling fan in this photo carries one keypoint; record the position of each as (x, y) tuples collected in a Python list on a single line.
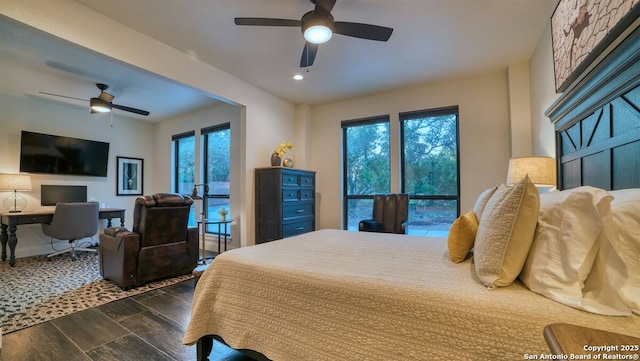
[(318, 26), (103, 103)]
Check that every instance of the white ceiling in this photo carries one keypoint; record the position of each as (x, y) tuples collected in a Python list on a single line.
[(432, 40)]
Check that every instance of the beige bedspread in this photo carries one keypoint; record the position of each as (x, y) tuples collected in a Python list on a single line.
[(339, 295)]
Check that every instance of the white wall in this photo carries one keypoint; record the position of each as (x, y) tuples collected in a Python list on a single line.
[(127, 138), (484, 136), (542, 95)]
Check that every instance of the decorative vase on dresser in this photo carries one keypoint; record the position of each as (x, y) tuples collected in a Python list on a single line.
[(285, 202)]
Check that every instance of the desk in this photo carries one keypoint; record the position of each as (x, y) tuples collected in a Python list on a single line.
[(11, 221), (203, 227)]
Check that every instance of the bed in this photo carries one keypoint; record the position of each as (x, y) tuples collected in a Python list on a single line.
[(339, 295)]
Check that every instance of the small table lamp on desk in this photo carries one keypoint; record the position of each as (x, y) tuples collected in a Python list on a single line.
[(15, 182)]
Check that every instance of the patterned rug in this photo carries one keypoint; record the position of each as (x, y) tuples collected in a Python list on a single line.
[(36, 290)]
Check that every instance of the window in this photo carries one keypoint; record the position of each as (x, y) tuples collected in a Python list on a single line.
[(184, 146), (429, 167), (217, 159), (184, 167), (366, 165)]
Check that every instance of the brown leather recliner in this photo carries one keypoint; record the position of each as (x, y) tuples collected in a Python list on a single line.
[(390, 213), (160, 244)]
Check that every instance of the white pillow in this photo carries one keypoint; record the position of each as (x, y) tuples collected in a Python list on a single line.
[(566, 243), (481, 202), (624, 237), (505, 233)]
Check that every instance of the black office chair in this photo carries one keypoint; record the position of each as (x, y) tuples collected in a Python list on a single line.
[(73, 221), (390, 213)]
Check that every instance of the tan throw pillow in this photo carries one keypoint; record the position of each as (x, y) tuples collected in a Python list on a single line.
[(481, 202), (505, 233), (462, 234)]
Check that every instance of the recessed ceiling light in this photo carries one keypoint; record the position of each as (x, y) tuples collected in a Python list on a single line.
[(298, 77)]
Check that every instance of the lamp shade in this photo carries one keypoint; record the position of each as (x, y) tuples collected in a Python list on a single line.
[(15, 182), (541, 170)]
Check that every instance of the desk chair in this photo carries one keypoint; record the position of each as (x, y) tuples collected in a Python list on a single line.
[(390, 213), (73, 221)]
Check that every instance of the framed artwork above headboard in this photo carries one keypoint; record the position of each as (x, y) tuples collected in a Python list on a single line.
[(583, 30), (597, 123)]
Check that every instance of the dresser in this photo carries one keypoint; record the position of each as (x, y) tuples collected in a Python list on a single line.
[(285, 202)]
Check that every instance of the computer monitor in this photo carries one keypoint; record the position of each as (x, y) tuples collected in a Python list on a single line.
[(50, 195)]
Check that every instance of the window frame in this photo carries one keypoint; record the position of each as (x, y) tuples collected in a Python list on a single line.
[(204, 133), (175, 139), (428, 113), (345, 124)]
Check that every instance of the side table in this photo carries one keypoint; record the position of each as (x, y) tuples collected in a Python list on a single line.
[(566, 339), (222, 225)]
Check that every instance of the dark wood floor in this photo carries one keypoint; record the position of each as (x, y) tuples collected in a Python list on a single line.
[(149, 326)]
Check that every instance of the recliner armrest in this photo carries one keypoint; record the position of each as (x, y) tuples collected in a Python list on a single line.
[(112, 231), (116, 241), (370, 225)]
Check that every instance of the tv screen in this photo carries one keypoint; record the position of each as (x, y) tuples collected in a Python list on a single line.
[(52, 154), (50, 195)]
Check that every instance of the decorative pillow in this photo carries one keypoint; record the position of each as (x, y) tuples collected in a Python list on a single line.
[(565, 246), (505, 233), (462, 234), (481, 202), (624, 237)]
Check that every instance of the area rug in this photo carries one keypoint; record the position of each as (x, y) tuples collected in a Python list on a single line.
[(36, 290)]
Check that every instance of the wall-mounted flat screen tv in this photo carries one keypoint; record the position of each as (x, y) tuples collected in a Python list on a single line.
[(52, 154)]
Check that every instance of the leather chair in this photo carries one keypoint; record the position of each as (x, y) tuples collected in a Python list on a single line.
[(390, 213), (73, 221), (160, 244)]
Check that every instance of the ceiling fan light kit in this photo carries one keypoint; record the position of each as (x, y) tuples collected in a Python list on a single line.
[(317, 29), (99, 105)]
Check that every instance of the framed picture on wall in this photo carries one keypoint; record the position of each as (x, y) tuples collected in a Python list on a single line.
[(583, 32), (130, 174)]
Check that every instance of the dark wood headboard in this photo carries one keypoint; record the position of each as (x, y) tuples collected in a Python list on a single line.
[(597, 123)]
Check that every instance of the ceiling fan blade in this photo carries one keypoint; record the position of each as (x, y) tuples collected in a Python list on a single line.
[(129, 109), (267, 22), (363, 31), (325, 5), (308, 54), (63, 96)]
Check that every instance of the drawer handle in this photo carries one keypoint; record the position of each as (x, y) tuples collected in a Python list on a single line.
[(290, 179), (290, 194), (299, 211), (299, 228)]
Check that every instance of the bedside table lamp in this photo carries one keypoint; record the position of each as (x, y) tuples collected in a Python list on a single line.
[(15, 182), (541, 171)]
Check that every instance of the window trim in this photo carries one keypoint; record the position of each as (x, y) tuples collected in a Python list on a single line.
[(204, 132), (427, 113), (379, 119), (176, 156)]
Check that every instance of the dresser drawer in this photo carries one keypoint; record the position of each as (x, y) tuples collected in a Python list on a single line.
[(297, 210), (307, 181), (297, 180), (290, 195), (296, 228)]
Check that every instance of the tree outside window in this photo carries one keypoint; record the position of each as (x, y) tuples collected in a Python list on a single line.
[(430, 167), (366, 166)]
